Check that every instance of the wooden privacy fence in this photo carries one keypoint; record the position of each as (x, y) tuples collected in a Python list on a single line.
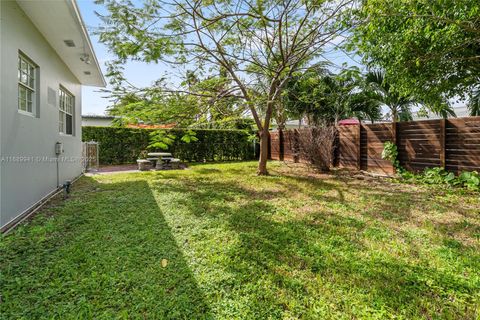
[(282, 145), (453, 144), (285, 145)]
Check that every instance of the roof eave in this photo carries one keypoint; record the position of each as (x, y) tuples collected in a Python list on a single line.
[(60, 20), (88, 41)]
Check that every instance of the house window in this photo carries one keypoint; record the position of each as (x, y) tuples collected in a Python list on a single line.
[(26, 84), (66, 111)]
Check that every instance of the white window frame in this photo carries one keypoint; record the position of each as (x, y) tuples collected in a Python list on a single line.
[(27, 85), (66, 107)]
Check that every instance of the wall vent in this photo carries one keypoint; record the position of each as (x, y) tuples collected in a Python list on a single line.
[(87, 73), (69, 43)]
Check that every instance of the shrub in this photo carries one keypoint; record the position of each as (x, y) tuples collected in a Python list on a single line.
[(390, 153), (470, 180), (436, 175), (466, 179), (124, 145), (317, 146)]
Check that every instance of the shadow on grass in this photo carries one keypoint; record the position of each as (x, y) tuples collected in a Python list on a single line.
[(278, 260), (98, 255), (253, 252)]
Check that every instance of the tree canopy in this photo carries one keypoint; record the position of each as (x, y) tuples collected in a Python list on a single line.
[(255, 42), (195, 105), (400, 107), (324, 98), (429, 49)]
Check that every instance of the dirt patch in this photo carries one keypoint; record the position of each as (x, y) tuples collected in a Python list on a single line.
[(125, 168), (120, 167)]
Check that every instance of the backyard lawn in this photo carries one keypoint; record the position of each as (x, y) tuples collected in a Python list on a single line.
[(216, 241)]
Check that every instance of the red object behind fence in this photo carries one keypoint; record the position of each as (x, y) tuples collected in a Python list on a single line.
[(348, 122)]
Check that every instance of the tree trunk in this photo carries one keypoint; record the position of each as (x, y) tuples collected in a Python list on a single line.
[(394, 115), (262, 162)]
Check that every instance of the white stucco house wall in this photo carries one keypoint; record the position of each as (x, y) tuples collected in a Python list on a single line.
[(460, 111), (90, 120), (46, 56)]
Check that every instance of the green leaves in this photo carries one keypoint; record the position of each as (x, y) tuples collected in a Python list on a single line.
[(387, 95), (161, 140), (429, 49), (435, 175), (256, 42), (471, 180), (390, 151), (325, 98), (125, 145), (189, 136), (474, 102)]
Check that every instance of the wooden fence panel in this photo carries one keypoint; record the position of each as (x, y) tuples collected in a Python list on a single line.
[(419, 144), (301, 152), (349, 142), (289, 151), (373, 137), (274, 145), (462, 144), (453, 144)]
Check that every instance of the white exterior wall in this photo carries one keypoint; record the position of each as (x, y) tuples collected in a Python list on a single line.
[(96, 122), (25, 183)]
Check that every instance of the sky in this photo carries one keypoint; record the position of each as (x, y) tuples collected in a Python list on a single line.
[(137, 73), (93, 101), (141, 74)]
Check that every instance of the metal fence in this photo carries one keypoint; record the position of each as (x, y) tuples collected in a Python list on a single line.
[(90, 153)]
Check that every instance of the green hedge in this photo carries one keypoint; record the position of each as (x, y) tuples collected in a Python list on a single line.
[(123, 145)]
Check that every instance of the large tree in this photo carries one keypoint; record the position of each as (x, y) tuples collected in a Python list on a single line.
[(430, 49), (251, 40), (155, 108), (199, 102)]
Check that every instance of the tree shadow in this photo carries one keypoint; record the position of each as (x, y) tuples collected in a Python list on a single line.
[(399, 204), (276, 261), (106, 252), (236, 249), (294, 254)]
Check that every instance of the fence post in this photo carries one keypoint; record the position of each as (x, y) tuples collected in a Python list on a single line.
[(296, 146), (269, 148), (394, 141), (281, 147), (336, 148), (442, 142), (359, 147)]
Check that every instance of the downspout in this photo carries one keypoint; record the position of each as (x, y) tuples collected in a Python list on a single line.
[(58, 172)]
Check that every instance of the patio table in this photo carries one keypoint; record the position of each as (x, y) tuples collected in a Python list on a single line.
[(160, 156)]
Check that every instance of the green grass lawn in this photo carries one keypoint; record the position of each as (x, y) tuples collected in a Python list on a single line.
[(237, 246)]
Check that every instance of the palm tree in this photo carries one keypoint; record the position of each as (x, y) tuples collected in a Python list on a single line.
[(474, 102), (325, 98), (400, 106), (344, 97)]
